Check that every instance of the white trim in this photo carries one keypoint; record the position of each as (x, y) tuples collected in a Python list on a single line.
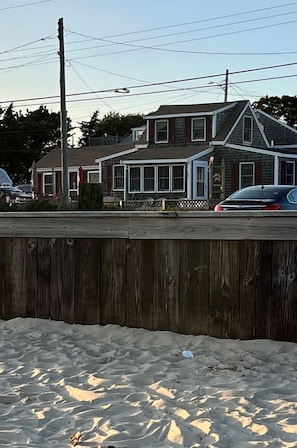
[(117, 154), (244, 118), (156, 178), (276, 170), (167, 131), (275, 119), (239, 174), (204, 129), (191, 114), (158, 161), (261, 151)]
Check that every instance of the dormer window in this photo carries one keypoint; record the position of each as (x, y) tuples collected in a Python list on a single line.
[(198, 129), (247, 129), (161, 131)]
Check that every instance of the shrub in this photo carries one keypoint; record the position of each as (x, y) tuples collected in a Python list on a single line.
[(90, 197)]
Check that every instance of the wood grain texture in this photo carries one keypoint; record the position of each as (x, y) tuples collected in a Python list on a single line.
[(15, 278), (194, 286), (152, 225)]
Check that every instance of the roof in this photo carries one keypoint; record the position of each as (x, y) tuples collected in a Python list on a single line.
[(84, 156), (231, 119), (191, 108), (166, 152)]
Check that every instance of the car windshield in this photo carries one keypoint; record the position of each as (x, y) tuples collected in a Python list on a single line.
[(261, 194)]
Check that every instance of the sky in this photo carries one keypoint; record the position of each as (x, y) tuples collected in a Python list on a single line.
[(120, 56)]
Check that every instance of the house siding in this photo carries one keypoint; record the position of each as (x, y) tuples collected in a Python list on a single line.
[(236, 136), (279, 134), (232, 157)]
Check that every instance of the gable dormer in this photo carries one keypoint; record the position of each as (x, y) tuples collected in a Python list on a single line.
[(182, 124)]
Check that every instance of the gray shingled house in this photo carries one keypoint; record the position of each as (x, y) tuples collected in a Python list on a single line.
[(195, 152)]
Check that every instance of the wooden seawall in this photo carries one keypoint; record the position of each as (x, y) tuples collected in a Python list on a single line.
[(229, 275)]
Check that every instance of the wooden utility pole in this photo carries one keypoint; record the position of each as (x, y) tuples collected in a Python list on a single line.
[(63, 115), (226, 86)]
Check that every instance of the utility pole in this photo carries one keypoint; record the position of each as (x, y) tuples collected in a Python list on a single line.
[(226, 86), (63, 115)]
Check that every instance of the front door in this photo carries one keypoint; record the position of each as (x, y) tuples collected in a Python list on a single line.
[(200, 180)]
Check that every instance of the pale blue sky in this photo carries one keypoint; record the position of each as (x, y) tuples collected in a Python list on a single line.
[(145, 42)]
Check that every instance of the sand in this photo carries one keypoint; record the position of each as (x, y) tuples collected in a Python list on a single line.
[(131, 388)]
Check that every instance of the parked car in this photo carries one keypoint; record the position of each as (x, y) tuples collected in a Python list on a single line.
[(27, 188), (14, 195), (261, 197)]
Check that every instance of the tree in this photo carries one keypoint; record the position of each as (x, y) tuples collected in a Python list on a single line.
[(284, 108), (25, 138), (112, 124)]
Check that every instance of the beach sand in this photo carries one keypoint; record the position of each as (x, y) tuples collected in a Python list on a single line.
[(131, 388)]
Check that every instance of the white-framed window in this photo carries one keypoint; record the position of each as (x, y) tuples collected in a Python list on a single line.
[(163, 178), (48, 187), (118, 177), (247, 129), (73, 182), (157, 178), (178, 178), (134, 179), (290, 173), (198, 129), (246, 174), (161, 131), (149, 179), (93, 177)]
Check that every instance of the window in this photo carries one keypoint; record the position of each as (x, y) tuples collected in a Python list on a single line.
[(290, 173), (134, 184), (162, 131), (178, 178), (246, 174), (198, 129), (247, 129), (149, 178), (48, 183), (292, 196), (163, 178), (93, 177), (118, 177)]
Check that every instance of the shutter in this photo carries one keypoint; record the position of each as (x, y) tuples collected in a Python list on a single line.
[(152, 132), (258, 173), (39, 184), (283, 172), (188, 130), (171, 130), (109, 178), (58, 183), (295, 173), (235, 177)]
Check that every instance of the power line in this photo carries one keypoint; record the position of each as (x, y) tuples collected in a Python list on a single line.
[(198, 21), (25, 4), (42, 39), (159, 83)]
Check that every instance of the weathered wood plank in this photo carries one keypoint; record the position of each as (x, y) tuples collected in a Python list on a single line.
[(56, 273), (15, 278), (87, 281), (250, 286), (284, 291), (263, 305), (2, 277), (113, 282), (140, 280), (194, 286), (224, 289), (152, 225), (67, 278)]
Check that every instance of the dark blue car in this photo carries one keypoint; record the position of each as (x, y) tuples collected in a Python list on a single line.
[(261, 197)]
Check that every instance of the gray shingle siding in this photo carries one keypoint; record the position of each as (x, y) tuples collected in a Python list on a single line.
[(180, 130), (236, 136), (232, 156), (281, 135)]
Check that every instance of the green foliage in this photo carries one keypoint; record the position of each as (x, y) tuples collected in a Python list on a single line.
[(284, 108), (39, 206), (90, 197), (112, 124), (25, 138)]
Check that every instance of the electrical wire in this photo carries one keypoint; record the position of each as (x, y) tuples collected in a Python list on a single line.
[(160, 83), (25, 4)]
